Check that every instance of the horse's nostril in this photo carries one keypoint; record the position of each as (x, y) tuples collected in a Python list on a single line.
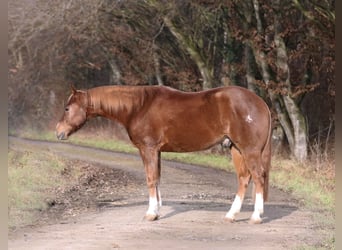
[(61, 136)]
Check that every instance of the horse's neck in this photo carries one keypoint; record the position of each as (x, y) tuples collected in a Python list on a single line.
[(116, 103)]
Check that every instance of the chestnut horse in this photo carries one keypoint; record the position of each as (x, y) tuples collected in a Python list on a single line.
[(161, 119)]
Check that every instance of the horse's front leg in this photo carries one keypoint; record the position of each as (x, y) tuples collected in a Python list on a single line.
[(151, 160)]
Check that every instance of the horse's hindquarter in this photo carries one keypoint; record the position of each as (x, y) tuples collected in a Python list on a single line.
[(180, 122), (249, 118)]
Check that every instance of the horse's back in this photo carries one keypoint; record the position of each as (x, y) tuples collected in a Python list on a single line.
[(224, 107)]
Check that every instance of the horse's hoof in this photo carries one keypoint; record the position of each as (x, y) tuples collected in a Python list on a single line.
[(228, 219), (151, 217), (255, 221)]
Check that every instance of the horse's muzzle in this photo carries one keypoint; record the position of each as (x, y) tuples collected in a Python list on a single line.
[(61, 136)]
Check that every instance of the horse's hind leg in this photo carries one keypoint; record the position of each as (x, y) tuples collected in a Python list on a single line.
[(254, 163), (244, 177)]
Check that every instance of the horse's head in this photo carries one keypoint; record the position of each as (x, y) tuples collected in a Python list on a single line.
[(75, 114)]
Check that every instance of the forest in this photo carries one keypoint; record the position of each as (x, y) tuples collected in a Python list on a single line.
[(282, 50)]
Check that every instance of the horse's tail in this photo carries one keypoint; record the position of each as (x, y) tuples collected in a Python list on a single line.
[(266, 159)]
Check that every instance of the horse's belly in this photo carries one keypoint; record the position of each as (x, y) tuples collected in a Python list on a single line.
[(190, 143)]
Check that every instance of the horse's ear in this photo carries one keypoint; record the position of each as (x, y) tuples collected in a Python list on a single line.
[(73, 89)]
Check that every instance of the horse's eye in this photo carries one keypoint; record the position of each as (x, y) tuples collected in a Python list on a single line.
[(66, 109)]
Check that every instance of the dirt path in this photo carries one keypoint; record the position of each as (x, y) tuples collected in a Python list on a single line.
[(195, 201)]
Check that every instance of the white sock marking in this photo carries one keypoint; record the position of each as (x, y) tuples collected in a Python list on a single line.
[(235, 208), (259, 203), (153, 208), (154, 203), (258, 207)]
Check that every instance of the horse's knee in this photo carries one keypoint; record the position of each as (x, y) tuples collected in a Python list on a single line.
[(150, 182), (244, 180)]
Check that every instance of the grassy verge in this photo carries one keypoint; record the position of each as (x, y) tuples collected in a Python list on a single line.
[(32, 177), (314, 189)]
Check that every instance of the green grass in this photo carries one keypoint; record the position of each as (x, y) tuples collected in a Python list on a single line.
[(31, 178), (315, 190), (202, 159)]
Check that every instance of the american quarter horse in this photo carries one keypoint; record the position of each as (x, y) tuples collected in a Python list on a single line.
[(161, 119)]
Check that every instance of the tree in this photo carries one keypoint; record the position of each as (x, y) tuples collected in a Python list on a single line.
[(282, 50), (273, 31)]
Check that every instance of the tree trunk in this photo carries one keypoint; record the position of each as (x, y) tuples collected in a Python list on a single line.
[(250, 76), (248, 50), (156, 61), (115, 76), (289, 114), (299, 148), (299, 130), (196, 57)]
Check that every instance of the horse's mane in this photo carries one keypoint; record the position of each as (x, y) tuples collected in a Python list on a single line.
[(116, 99)]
